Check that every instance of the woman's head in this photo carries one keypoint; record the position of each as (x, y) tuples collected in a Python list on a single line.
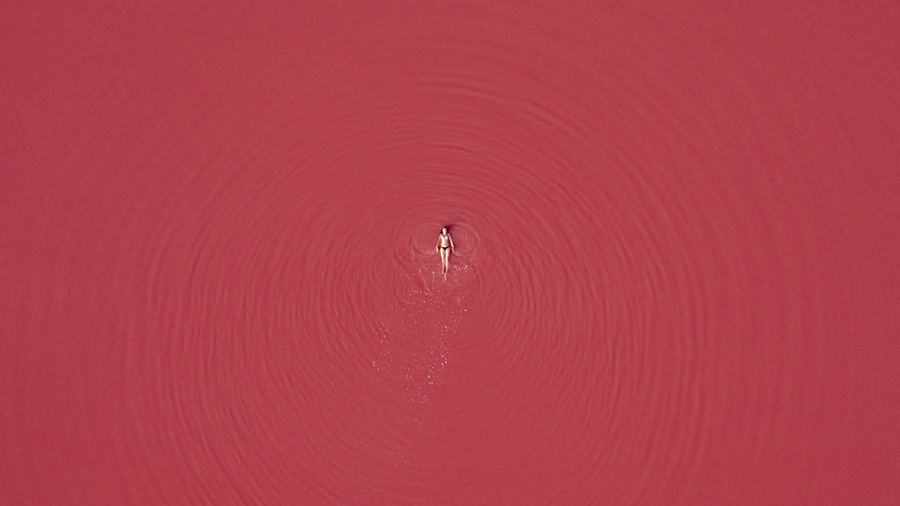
[(444, 230)]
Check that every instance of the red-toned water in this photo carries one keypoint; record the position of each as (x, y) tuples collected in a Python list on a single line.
[(675, 281)]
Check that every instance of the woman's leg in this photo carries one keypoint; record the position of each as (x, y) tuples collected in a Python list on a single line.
[(445, 260)]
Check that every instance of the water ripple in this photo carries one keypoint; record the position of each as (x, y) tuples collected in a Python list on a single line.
[(670, 283)]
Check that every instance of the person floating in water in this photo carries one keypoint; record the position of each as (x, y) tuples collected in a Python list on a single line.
[(445, 246)]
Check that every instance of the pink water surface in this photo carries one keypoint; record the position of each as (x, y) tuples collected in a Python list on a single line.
[(676, 279)]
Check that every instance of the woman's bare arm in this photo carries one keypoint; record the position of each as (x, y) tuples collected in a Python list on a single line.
[(452, 247)]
